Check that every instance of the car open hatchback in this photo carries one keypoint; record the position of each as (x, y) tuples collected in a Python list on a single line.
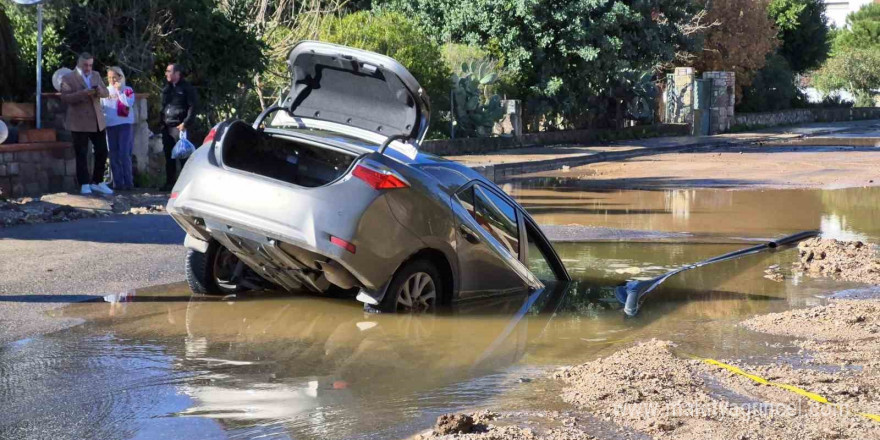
[(328, 191)]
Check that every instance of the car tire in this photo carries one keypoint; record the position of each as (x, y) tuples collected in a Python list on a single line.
[(415, 288), (200, 271)]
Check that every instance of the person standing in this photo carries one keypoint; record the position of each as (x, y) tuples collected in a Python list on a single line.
[(81, 90), (120, 128), (179, 101)]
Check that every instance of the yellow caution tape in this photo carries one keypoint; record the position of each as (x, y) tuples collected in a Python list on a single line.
[(812, 396)]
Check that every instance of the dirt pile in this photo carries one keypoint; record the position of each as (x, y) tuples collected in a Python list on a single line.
[(512, 430), (650, 389), (839, 320), (479, 425), (843, 332), (846, 260)]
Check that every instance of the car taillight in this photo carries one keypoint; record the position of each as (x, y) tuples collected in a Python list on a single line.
[(210, 136), (173, 196), (378, 179), (343, 244)]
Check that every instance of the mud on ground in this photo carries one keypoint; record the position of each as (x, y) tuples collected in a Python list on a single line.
[(846, 260), (652, 390), (63, 207), (740, 167)]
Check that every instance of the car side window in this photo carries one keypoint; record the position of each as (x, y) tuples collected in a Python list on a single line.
[(498, 218), (537, 262)]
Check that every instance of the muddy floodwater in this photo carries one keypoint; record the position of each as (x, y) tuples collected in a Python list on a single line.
[(160, 362)]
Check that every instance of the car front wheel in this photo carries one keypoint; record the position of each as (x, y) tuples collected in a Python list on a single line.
[(215, 272), (415, 288)]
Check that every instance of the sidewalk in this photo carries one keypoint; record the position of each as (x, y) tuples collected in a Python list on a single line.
[(506, 163)]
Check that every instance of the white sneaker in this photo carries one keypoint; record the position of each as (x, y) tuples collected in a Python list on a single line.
[(86, 189), (102, 188)]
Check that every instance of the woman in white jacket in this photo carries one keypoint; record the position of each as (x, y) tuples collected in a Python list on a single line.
[(120, 128)]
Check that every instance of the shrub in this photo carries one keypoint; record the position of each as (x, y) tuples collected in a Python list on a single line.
[(856, 71)]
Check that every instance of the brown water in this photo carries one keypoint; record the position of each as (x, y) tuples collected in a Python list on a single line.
[(851, 213), (161, 363)]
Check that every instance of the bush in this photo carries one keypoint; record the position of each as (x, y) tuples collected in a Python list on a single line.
[(773, 88), (856, 71), (23, 20), (10, 66), (398, 37)]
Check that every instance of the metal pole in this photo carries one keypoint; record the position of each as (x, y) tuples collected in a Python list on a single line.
[(39, 61)]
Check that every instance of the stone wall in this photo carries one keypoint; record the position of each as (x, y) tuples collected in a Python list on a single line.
[(679, 96), (33, 169), (723, 100), (452, 147), (802, 116)]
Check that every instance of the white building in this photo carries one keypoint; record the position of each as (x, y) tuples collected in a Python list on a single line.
[(837, 10)]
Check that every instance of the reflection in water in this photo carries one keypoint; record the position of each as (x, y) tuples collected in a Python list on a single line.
[(706, 213)]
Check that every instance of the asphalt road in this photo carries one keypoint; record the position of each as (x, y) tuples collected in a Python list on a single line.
[(46, 266)]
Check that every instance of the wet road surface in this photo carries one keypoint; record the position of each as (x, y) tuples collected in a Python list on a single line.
[(159, 362)]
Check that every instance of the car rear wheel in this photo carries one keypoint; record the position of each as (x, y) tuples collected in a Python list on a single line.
[(415, 288), (215, 272)]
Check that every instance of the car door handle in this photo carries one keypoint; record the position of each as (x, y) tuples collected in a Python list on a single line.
[(469, 234)]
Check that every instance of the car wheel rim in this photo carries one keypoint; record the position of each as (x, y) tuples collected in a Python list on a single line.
[(418, 293), (227, 269)]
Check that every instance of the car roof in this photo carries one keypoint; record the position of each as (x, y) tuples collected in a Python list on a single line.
[(452, 174)]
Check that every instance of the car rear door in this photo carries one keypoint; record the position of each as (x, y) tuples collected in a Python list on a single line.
[(490, 247)]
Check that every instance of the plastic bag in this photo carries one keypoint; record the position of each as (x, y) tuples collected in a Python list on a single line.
[(183, 148)]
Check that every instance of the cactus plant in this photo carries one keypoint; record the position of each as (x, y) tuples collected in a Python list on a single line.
[(475, 110)]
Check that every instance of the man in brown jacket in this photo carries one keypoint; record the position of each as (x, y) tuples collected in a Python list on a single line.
[(82, 91)]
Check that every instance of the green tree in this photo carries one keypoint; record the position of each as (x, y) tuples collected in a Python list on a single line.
[(143, 36), (803, 32), (862, 30), (23, 20), (566, 60), (280, 24), (10, 66), (855, 70), (773, 87), (401, 38)]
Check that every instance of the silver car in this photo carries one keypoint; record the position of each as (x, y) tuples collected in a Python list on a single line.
[(327, 191)]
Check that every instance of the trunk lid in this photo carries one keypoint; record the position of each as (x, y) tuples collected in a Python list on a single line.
[(356, 88)]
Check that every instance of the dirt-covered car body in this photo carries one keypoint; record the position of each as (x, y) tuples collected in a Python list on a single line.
[(329, 189)]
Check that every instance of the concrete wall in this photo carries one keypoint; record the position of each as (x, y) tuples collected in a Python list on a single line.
[(837, 10), (802, 116), (452, 147)]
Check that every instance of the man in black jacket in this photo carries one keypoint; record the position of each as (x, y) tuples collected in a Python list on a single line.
[(179, 100)]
